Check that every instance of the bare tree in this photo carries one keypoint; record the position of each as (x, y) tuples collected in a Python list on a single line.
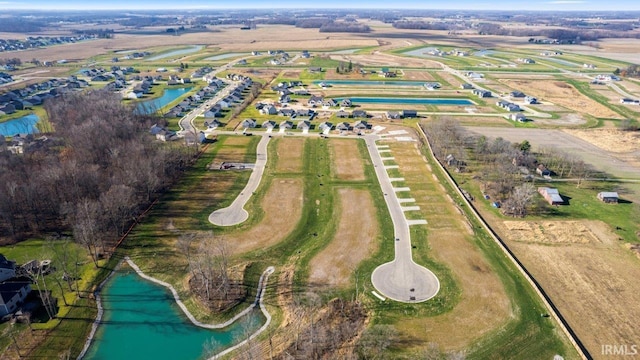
[(521, 198)]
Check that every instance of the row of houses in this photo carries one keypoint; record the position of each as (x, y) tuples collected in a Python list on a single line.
[(315, 101), (305, 125), (33, 42), (271, 109), (36, 94), (342, 114), (236, 94), (5, 78), (192, 101), (509, 106), (527, 98)]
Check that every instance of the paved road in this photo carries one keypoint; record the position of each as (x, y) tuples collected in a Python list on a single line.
[(401, 279), (235, 213)]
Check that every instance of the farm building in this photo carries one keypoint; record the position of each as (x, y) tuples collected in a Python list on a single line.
[(551, 195), (608, 196)]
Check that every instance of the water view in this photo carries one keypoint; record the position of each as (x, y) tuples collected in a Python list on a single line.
[(414, 101), (369, 83), (21, 125), (225, 56), (177, 52), (151, 106), (142, 321)]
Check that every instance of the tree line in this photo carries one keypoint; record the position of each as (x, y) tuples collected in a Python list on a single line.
[(505, 170), (89, 179)]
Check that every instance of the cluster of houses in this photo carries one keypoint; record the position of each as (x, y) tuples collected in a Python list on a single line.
[(324, 127), (13, 289), (529, 100), (36, 94), (280, 57), (551, 53), (32, 42), (236, 94), (19, 144), (285, 90), (143, 87), (454, 52), (192, 101), (5, 78), (607, 77), (526, 60), (271, 109)]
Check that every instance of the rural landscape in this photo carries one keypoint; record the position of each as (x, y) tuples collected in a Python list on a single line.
[(320, 183)]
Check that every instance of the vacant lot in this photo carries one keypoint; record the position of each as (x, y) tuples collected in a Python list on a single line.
[(289, 154), (417, 75), (562, 94), (346, 159), (484, 305), (590, 277), (354, 241), (612, 140), (282, 206)]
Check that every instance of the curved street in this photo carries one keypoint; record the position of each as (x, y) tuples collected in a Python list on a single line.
[(235, 213), (401, 279)]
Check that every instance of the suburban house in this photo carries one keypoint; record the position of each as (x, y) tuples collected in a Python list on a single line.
[(474, 75), (466, 86), (269, 124), (530, 100), (342, 114), (482, 93), (304, 125), (7, 268), (508, 106), (286, 112), (329, 103), (359, 114), (346, 103), (214, 124), (268, 110), (409, 113), (315, 69), (551, 195), (519, 117), (325, 126), (608, 197), (343, 126), (517, 94), (394, 115), (526, 60), (286, 125), (248, 123), (284, 99), (315, 100), (361, 125), (12, 294)]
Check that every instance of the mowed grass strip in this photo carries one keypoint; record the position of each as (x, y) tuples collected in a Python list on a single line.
[(353, 242)]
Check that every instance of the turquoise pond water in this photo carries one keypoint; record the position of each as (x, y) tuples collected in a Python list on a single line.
[(151, 106), (188, 50), (142, 321), (370, 83), (22, 125), (414, 101), (225, 56)]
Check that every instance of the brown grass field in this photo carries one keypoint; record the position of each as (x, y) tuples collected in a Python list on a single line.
[(289, 154), (611, 140), (417, 75), (346, 160), (282, 206), (354, 241), (590, 277), (484, 305), (563, 94)]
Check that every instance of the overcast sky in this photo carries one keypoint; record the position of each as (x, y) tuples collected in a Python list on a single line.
[(549, 5)]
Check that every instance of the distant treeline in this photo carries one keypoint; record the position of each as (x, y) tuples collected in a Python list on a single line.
[(351, 27), (573, 31), (100, 33), (20, 25)]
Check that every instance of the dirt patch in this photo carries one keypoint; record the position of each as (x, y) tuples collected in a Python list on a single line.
[(417, 75), (354, 241), (610, 139), (289, 154), (282, 206), (387, 60), (551, 231), (346, 160), (562, 94)]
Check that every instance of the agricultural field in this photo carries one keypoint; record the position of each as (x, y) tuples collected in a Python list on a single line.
[(319, 214)]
